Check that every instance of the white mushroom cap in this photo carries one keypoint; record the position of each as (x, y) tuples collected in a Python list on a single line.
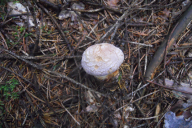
[(102, 59)]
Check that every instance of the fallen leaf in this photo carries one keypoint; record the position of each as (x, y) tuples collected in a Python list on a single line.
[(173, 121), (112, 3), (183, 87), (91, 108)]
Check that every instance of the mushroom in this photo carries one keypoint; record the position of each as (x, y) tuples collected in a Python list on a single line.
[(102, 60)]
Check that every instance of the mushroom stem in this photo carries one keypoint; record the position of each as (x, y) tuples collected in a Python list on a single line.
[(109, 76)]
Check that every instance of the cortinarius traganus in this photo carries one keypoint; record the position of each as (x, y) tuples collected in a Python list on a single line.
[(102, 60)]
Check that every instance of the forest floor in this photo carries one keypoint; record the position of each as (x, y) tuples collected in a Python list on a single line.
[(42, 82)]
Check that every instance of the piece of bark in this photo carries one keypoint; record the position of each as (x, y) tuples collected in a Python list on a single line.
[(169, 41)]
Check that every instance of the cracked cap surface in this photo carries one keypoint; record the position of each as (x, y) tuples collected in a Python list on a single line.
[(102, 59)]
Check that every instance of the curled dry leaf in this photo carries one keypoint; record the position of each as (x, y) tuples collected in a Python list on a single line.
[(67, 14), (186, 2), (91, 108), (166, 12), (64, 14), (112, 3), (173, 121), (127, 110), (184, 87), (117, 115), (90, 98), (17, 9), (78, 6), (179, 115), (189, 54)]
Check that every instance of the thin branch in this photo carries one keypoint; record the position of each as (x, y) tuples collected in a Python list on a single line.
[(72, 80), (70, 114), (169, 88), (57, 25)]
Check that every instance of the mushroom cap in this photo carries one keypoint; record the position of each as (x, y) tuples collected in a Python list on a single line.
[(102, 59)]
